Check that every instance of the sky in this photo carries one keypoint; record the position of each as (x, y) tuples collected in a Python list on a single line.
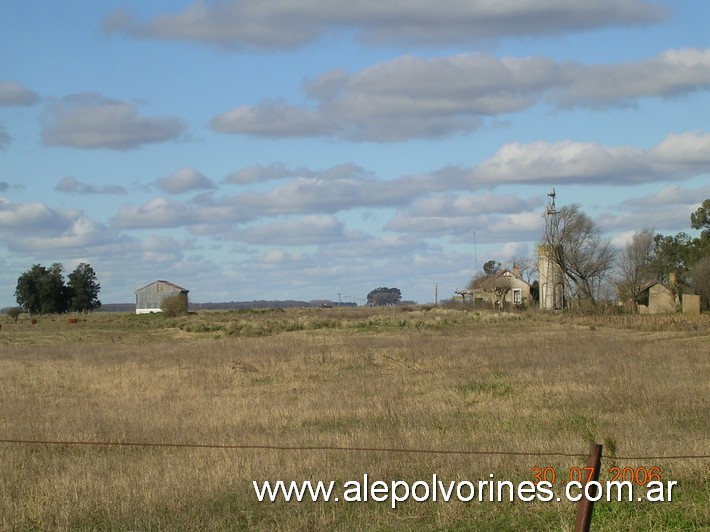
[(303, 149)]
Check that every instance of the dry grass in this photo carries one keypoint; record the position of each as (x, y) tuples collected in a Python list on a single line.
[(413, 378)]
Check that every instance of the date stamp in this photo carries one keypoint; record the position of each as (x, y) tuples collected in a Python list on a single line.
[(638, 475)]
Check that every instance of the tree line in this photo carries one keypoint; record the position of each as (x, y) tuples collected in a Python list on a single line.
[(42, 290)]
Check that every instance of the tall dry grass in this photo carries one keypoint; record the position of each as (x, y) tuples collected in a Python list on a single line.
[(418, 379)]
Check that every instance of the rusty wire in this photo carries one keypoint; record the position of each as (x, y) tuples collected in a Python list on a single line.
[(332, 448)]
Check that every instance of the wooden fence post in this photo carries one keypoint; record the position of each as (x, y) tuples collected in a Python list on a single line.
[(586, 506)]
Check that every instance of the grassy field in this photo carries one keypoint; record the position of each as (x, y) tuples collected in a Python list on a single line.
[(400, 378)]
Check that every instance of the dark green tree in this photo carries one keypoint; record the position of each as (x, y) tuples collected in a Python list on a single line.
[(83, 289), (384, 297), (491, 267), (42, 290), (700, 219), (28, 292), (54, 294)]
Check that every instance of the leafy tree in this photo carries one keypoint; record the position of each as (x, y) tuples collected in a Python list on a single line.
[(84, 289), (577, 247), (29, 289), (682, 258), (672, 256), (42, 290), (491, 267), (54, 295), (700, 219), (384, 296)]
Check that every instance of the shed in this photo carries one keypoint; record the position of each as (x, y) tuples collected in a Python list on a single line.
[(150, 297), (656, 298)]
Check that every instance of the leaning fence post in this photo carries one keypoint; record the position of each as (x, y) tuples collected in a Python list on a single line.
[(586, 506)]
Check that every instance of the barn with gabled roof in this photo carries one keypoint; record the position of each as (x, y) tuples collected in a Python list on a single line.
[(150, 297)]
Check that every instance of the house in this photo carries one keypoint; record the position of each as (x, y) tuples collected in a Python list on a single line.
[(656, 298), (150, 297), (500, 289)]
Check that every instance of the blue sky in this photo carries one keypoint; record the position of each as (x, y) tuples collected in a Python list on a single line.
[(301, 149)]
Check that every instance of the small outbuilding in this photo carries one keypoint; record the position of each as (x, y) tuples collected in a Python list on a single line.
[(656, 298), (150, 297)]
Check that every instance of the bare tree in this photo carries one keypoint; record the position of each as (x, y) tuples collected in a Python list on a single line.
[(527, 267), (578, 248), (636, 265), (494, 287)]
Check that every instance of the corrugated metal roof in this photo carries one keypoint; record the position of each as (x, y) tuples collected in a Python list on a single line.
[(173, 285)]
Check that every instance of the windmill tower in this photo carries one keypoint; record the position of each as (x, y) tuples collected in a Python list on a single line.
[(551, 280)]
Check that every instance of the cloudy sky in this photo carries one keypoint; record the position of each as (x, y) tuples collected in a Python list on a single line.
[(301, 149)]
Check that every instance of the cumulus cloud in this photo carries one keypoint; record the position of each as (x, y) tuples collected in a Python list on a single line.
[(273, 118), (678, 156), (407, 97), (185, 180), (431, 204), (14, 93), (413, 97), (157, 213), (83, 235), (41, 230), (273, 24), (259, 173), (469, 204), (671, 73), (671, 196), (34, 217), (92, 121), (72, 185)]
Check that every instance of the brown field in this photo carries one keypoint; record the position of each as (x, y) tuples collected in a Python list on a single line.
[(402, 378)]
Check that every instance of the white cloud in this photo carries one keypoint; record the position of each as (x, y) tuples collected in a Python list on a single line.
[(412, 97), (432, 204), (273, 118), (185, 180), (273, 24), (83, 235), (157, 213), (91, 121), (33, 217), (14, 93), (671, 73), (71, 184), (259, 173), (678, 156)]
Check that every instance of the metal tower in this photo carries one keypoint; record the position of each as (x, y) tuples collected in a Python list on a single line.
[(550, 273)]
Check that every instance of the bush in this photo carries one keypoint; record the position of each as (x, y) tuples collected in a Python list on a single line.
[(14, 313), (174, 305)]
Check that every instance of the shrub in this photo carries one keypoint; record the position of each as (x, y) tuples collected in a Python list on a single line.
[(14, 313), (174, 305)]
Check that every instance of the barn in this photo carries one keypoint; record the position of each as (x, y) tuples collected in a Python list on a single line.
[(149, 298)]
